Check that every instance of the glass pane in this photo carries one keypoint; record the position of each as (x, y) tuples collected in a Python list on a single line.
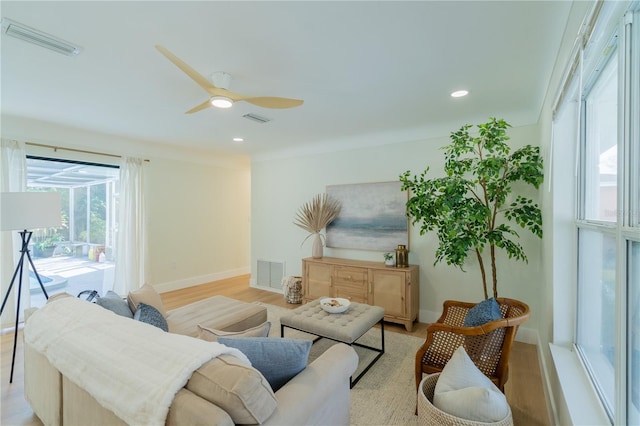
[(633, 400), (601, 152), (81, 257), (596, 308)]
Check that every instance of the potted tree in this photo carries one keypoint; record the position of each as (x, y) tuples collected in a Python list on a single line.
[(470, 207)]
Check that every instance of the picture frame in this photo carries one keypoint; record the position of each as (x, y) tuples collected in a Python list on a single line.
[(372, 217)]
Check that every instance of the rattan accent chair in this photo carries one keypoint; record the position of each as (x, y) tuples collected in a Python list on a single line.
[(488, 345)]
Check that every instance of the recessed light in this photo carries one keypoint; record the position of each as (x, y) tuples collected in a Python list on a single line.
[(238, 140), (459, 93)]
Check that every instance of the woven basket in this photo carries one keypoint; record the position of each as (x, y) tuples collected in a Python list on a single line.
[(292, 289), (431, 416)]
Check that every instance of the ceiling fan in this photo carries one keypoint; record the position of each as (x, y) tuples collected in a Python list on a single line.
[(221, 97)]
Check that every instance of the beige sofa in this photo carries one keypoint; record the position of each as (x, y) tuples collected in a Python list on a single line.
[(220, 392)]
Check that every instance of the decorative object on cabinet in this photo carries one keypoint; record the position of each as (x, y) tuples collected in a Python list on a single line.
[(395, 289), (314, 216), (402, 256), (373, 216), (466, 207), (388, 259)]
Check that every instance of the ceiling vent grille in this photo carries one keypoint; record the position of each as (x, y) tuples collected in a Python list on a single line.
[(31, 35), (257, 118)]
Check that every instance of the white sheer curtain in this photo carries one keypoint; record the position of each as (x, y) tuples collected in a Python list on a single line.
[(130, 269), (13, 162)]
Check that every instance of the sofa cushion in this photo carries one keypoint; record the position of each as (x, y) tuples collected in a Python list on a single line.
[(291, 356), (238, 389), (146, 294), (464, 391), (482, 313), (211, 334), (150, 315), (115, 304)]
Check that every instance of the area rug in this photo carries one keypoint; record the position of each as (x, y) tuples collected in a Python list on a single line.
[(386, 394)]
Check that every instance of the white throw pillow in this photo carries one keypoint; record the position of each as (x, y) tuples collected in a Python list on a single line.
[(211, 334), (464, 391)]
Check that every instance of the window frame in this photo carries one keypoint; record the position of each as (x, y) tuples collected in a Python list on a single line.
[(626, 228)]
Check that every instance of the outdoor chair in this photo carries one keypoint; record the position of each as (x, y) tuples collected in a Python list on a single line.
[(488, 345)]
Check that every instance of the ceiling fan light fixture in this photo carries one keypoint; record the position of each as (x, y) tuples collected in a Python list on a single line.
[(221, 102)]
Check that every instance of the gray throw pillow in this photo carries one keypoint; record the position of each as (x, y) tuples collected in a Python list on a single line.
[(278, 359), (486, 311), (150, 315), (115, 304)]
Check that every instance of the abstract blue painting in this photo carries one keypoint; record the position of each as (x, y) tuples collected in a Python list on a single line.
[(372, 217)]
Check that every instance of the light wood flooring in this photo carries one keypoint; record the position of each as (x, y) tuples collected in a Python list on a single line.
[(523, 390)]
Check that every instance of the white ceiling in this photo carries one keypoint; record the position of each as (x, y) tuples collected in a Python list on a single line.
[(368, 71)]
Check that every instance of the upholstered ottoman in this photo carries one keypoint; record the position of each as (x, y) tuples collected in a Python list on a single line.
[(346, 327), (217, 312)]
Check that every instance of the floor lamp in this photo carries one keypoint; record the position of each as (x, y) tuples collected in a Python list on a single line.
[(24, 211)]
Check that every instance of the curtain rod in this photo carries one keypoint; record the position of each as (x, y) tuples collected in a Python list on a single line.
[(56, 148)]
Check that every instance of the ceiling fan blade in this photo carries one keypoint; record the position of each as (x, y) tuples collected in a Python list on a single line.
[(205, 104), (273, 102), (195, 76)]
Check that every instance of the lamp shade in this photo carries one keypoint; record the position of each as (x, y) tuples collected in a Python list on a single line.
[(29, 210)]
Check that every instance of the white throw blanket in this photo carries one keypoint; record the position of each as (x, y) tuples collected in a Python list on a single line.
[(131, 368)]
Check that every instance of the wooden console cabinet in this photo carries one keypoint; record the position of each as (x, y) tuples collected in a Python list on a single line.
[(395, 289)]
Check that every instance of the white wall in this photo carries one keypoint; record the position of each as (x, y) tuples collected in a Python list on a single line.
[(197, 202), (281, 186)]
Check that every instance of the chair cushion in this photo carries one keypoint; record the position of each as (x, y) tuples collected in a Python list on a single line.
[(291, 356), (482, 313), (146, 294), (150, 315), (464, 391), (211, 334), (238, 389), (115, 304)]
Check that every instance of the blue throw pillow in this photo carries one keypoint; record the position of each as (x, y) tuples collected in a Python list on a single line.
[(115, 304), (484, 312), (278, 359), (150, 315)]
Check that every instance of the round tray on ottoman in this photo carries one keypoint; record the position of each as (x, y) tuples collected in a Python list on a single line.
[(431, 416)]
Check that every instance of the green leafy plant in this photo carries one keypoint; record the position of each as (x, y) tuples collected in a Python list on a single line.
[(467, 208), (388, 256)]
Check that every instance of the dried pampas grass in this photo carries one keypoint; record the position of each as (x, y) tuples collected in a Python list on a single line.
[(315, 215)]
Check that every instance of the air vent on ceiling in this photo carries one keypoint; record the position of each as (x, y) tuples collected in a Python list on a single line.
[(257, 118), (31, 35)]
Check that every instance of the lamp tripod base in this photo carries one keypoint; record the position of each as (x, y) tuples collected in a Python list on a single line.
[(24, 252)]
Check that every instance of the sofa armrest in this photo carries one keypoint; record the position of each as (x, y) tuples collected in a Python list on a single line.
[(189, 409), (319, 394)]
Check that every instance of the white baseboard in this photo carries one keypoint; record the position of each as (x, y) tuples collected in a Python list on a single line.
[(202, 279)]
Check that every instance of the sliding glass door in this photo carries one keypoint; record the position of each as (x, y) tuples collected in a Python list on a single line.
[(79, 255)]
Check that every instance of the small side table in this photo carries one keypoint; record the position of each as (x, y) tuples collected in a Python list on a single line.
[(345, 328)]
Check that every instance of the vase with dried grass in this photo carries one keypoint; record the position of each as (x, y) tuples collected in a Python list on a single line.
[(314, 216)]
